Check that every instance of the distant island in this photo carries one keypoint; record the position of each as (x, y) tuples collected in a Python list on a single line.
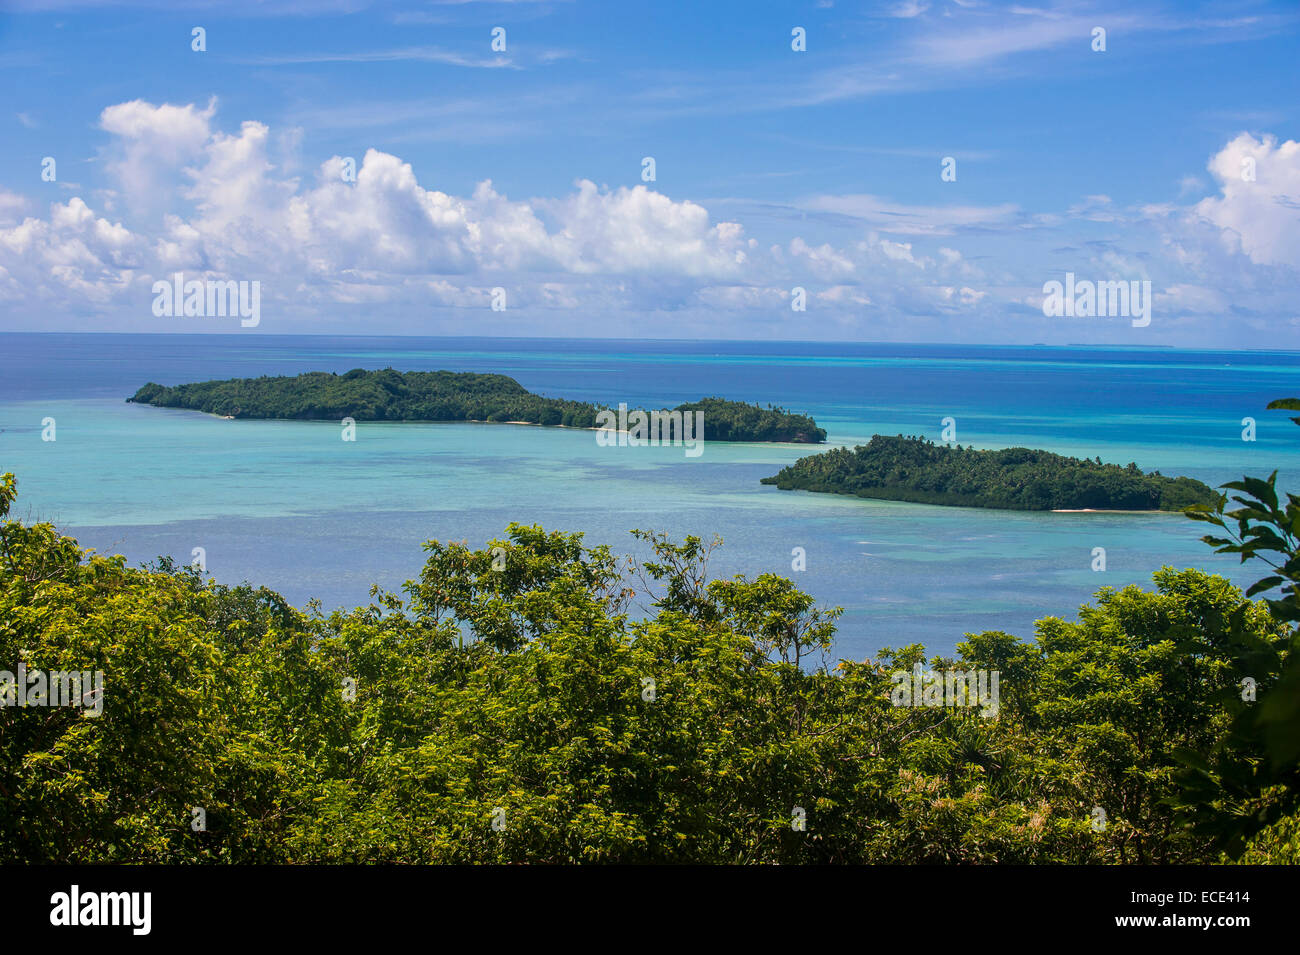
[(390, 395), (1020, 479)]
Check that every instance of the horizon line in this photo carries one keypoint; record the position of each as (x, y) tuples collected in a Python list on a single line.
[(745, 341)]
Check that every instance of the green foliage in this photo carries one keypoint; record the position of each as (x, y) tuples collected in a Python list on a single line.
[(1252, 778), (736, 421), (1111, 699), (914, 469), (390, 395), (517, 682)]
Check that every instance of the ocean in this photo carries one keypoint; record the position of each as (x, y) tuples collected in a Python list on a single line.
[(292, 506)]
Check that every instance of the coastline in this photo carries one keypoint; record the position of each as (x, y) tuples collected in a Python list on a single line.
[(1109, 510), (530, 424)]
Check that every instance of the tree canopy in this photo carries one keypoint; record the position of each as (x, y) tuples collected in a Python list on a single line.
[(390, 395), (541, 699), (914, 469)]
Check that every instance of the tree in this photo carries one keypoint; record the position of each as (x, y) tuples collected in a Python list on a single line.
[(1251, 780)]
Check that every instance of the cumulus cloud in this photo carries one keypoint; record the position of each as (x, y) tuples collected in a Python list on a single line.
[(12, 206), (844, 295), (73, 253), (152, 145), (211, 202), (1258, 208), (186, 195), (823, 261)]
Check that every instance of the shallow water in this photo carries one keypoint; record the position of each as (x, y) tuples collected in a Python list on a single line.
[(291, 505)]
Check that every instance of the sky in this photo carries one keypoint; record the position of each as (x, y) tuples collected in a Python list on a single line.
[(913, 171)]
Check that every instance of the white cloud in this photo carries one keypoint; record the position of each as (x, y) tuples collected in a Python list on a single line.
[(151, 146), (642, 231), (898, 251), (12, 206), (902, 219), (1259, 217), (214, 202), (844, 295), (188, 196), (1097, 208), (822, 261), (909, 8), (967, 295), (421, 54), (745, 298), (73, 255)]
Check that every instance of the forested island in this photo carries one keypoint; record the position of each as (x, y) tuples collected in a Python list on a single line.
[(390, 395), (1021, 479)]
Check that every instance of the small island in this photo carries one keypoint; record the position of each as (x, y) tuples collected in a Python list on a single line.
[(439, 396), (917, 470)]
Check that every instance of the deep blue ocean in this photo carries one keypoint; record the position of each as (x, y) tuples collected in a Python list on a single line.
[(292, 506)]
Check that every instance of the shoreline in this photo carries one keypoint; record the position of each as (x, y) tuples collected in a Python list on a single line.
[(1109, 510), (531, 424)]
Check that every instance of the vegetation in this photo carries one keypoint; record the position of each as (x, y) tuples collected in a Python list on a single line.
[(390, 395), (735, 421), (914, 469), (1250, 783), (543, 700)]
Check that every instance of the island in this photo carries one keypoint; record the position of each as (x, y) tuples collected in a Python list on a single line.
[(434, 396), (1021, 479)]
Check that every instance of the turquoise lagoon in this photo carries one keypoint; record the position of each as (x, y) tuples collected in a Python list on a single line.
[(292, 506)]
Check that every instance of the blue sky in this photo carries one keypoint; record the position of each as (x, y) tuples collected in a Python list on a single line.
[(774, 168)]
